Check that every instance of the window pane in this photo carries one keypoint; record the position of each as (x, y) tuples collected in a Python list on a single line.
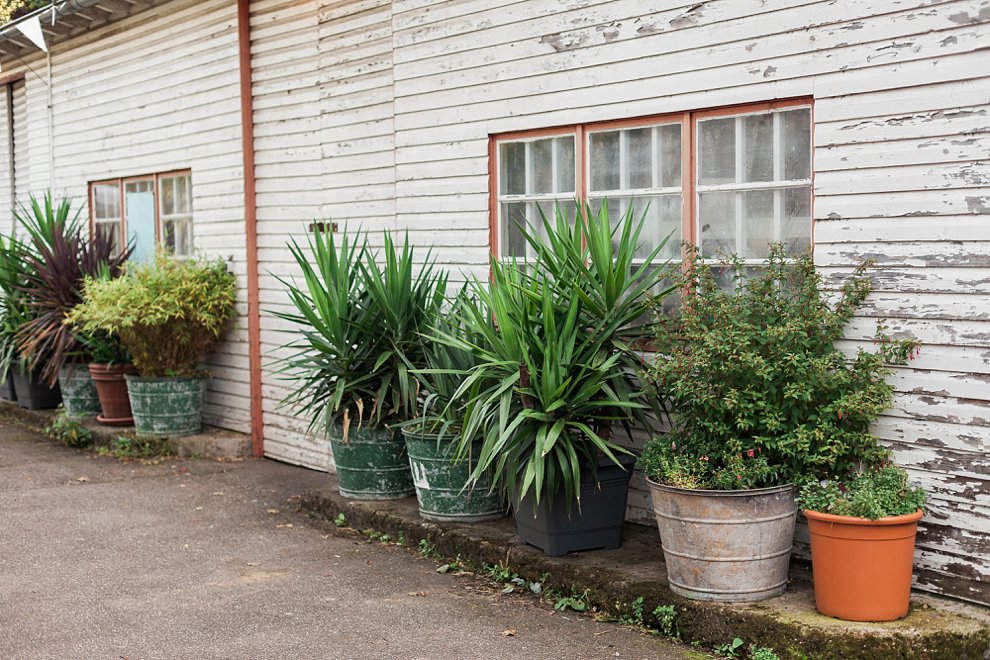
[(106, 201), (717, 151), (758, 147), (541, 166), (757, 225), (513, 166), (605, 161), (670, 155), (184, 198), (796, 129), (795, 227), (513, 241), (639, 158), (663, 218), (549, 210), (167, 196), (111, 229), (717, 217), (565, 164)]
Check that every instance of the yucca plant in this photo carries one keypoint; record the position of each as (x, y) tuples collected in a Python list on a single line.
[(559, 355), (13, 307), (361, 323), (58, 261)]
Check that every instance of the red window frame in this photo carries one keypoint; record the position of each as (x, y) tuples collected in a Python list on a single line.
[(120, 182), (689, 129)]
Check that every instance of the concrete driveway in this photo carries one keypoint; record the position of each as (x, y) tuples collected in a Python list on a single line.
[(196, 559)]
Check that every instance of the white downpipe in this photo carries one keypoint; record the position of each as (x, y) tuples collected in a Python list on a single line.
[(51, 128)]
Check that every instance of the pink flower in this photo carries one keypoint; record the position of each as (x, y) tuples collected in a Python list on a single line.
[(751, 453)]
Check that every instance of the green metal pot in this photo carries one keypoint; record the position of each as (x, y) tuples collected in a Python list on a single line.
[(78, 392), (372, 464), (166, 407), (440, 482)]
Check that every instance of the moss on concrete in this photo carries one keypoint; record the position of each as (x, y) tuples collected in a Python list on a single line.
[(791, 635)]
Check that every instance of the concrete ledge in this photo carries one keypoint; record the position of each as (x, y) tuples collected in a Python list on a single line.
[(212, 443), (935, 628)]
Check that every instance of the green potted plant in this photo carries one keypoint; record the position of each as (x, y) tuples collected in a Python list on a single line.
[(760, 399), (863, 528), (556, 377), (56, 265), (442, 479), (109, 367), (361, 325), (12, 310), (167, 315)]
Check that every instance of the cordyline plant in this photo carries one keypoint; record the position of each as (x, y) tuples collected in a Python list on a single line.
[(760, 394), (557, 365), (167, 314), (361, 323), (57, 262)]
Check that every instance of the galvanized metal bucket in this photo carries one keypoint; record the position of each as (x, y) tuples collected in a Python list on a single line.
[(725, 545), (372, 464), (78, 392), (166, 407)]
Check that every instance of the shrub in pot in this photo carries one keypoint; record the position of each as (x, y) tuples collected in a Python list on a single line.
[(167, 315), (863, 528), (441, 477), (760, 399), (556, 377), (361, 323)]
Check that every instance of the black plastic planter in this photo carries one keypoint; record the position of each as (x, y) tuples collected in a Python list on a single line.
[(597, 525), (7, 391), (33, 394)]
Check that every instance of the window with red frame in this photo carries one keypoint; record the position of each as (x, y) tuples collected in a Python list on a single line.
[(151, 210), (729, 180)]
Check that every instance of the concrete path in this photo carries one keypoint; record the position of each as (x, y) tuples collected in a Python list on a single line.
[(196, 559)]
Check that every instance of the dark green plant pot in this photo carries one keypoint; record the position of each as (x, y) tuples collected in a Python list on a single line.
[(166, 407), (597, 525), (78, 392), (440, 483), (33, 394), (372, 464)]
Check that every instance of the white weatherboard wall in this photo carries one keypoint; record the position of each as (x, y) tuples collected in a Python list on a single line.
[(902, 131), (152, 93)]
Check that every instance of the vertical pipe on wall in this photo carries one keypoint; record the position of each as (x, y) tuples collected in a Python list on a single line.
[(51, 126), (9, 94), (250, 227)]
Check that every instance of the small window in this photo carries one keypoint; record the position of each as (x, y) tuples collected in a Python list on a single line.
[(145, 212)]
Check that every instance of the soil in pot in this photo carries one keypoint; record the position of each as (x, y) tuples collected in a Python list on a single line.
[(440, 483), (111, 388), (597, 525), (78, 392), (372, 464), (166, 407), (726, 545), (34, 394), (862, 567)]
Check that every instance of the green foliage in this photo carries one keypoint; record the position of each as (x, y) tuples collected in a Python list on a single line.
[(635, 615), (577, 602), (166, 314), (69, 432), (427, 549), (13, 307), (875, 492), (762, 653), (758, 389), (340, 520), (556, 364), (361, 327), (730, 649), (11, 9), (58, 260), (143, 449), (666, 618)]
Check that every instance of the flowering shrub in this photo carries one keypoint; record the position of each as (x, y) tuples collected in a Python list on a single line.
[(754, 382), (877, 492)]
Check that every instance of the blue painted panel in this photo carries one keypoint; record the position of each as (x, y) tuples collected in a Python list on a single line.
[(141, 225)]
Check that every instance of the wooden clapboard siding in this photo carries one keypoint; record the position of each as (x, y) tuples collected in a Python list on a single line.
[(378, 113), (154, 92), (901, 136)]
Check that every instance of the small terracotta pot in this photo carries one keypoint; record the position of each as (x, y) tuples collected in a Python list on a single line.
[(862, 567), (112, 390)]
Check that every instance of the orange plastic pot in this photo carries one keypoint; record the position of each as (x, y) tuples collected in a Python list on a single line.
[(862, 567)]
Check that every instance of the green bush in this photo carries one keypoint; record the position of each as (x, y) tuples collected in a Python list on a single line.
[(167, 314), (874, 492), (759, 393)]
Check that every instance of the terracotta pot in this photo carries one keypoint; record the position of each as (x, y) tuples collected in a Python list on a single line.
[(862, 567), (112, 390)]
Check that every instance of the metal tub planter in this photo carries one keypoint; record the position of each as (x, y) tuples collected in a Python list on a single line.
[(441, 483), (726, 545), (372, 464), (166, 407), (78, 392)]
